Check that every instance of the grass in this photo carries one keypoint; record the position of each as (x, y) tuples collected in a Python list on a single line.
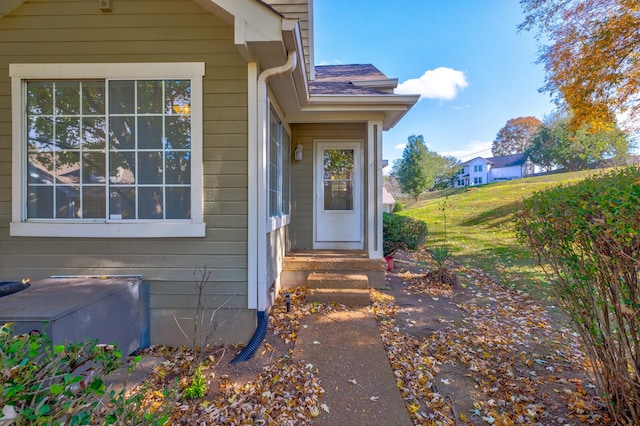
[(480, 227)]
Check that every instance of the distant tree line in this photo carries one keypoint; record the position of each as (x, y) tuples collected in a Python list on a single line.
[(554, 144)]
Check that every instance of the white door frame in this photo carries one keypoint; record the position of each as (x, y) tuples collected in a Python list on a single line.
[(318, 196)]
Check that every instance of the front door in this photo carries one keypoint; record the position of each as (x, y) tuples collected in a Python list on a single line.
[(338, 182)]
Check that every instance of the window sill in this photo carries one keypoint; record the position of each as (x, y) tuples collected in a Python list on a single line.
[(277, 222), (107, 230)]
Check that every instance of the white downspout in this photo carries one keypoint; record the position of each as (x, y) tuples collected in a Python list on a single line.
[(262, 208)]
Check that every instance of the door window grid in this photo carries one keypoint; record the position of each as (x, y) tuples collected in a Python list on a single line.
[(338, 179)]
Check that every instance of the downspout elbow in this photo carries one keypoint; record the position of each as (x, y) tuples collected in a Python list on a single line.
[(284, 69)]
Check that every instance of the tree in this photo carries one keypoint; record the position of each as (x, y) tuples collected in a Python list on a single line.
[(591, 59), (557, 144), (410, 170), (420, 169), (445, 168), (540, 151), (515, 136)]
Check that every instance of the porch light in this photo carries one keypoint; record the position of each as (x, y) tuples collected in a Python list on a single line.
[(298, 154)]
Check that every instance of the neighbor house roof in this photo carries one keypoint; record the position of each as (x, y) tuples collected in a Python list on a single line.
[(466, 163), (387, 198), (508, 160), (498, 162)]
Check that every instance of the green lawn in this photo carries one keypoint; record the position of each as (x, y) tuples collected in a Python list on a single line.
[(480, 228)]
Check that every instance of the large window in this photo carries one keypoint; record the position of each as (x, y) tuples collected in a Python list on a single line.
[(279, 167), (109, 150)]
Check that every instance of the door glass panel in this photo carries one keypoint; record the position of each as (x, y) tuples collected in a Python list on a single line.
[(338, 173)]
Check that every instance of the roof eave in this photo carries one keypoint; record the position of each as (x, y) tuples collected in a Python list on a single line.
[(388, 108)]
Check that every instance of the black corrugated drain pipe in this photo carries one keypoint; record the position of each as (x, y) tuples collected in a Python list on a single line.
[(258, 336)]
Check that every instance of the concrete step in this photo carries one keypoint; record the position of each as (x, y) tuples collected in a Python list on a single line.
[(347, 288), (337, 280), (300, 263), (345, 296)]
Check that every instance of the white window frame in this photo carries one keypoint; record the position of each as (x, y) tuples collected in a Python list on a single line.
[(282, 219), (477, 168), (104, 228)]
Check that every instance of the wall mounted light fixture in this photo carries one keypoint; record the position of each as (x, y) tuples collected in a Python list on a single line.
[(298, 153), (105, 5)]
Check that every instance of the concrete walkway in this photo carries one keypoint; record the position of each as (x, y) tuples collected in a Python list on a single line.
[(353, 367)]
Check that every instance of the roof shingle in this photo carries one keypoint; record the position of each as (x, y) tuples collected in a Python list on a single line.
[(338, 80)]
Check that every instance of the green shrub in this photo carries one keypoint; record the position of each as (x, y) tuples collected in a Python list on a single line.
[(402, 233), (197, 388), (587, 237), (46, 384), (398, 207)]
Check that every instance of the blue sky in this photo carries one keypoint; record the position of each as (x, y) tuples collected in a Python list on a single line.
[(473, 68)]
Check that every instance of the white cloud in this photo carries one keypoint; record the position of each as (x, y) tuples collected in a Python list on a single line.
[(335, 62), (471, 150), (441, 83), (400, 146)]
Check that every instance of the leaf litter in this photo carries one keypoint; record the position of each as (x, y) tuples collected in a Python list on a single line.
[(500, 360), (498, 356)]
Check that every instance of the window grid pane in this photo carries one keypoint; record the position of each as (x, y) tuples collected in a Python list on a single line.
[(279, 166), (275, 164), (69, 158)]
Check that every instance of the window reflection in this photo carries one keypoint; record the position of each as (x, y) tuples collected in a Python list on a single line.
[(147, 158), (338, 175)]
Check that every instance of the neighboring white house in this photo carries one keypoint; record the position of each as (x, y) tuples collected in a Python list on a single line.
[(480, 170)]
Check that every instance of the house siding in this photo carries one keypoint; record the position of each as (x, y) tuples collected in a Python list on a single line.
[(301, 229), (69, 31), (505, 173), (302, 10)]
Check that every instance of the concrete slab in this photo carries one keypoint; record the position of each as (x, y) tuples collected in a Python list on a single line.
[(353, 367), (123, 379)]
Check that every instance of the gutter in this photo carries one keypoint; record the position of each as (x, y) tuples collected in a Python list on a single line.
[(258, 265)]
